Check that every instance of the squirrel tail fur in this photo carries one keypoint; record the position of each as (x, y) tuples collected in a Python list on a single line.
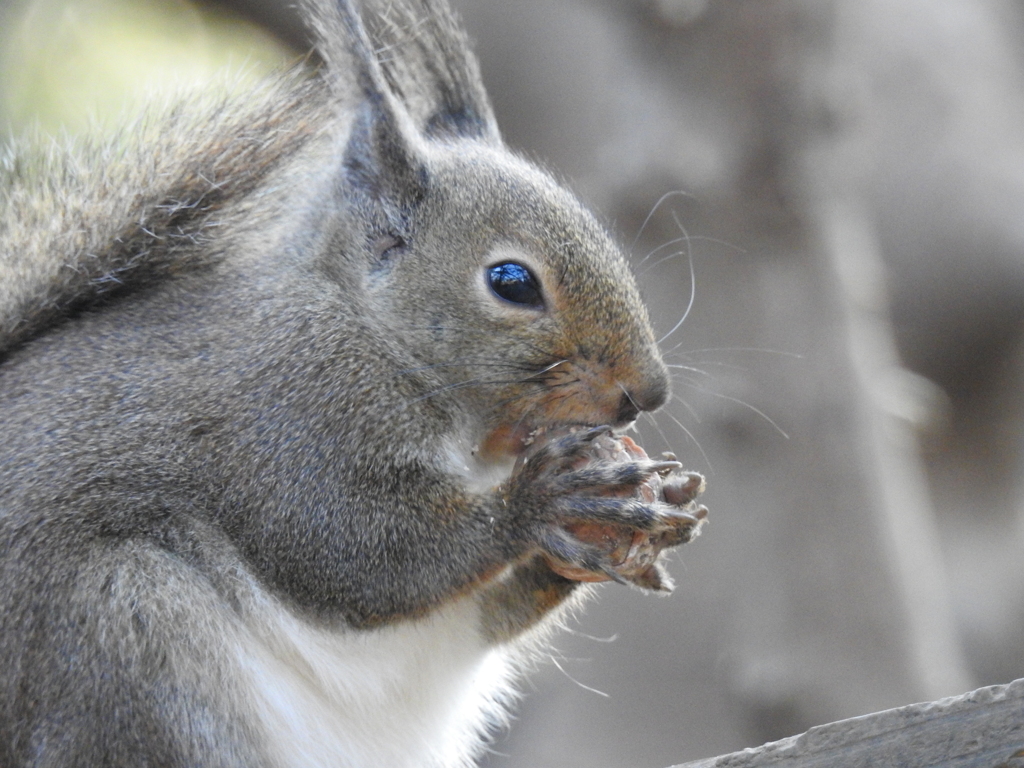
[(83, 220)]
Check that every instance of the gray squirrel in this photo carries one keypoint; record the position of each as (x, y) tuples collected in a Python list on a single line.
[(270, 370)]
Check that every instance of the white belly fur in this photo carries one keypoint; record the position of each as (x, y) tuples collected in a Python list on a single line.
[(416, 695)]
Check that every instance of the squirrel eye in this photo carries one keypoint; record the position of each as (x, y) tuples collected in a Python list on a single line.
[(515, 283)]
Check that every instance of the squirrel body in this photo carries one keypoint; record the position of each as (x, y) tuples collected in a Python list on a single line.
[(268, 368)]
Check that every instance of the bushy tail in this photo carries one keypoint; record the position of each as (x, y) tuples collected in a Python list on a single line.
[(83, 223), (419, 50)]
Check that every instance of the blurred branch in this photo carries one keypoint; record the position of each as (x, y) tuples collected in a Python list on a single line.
[(981, 728)]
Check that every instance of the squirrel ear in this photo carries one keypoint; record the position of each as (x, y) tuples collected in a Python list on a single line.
[(462, 118), (379, 155), (431, 67), (379, 158), (428, 68)]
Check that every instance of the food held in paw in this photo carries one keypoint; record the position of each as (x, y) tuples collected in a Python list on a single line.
[(630, 554)]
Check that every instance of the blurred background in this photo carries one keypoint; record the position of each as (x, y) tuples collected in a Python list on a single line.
[(837, 186)]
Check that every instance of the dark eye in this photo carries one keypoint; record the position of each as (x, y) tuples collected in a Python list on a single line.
[(514, 282)]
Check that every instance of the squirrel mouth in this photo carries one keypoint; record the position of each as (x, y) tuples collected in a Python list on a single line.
[(543, 434), (514, 442), (632, 552)]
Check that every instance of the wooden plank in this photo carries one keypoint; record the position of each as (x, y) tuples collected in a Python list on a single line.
[(980, 729)]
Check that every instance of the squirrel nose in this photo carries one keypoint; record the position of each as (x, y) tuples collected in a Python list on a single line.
[(628, 410), (633, 402)]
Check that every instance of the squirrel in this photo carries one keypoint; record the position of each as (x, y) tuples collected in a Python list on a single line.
[(270, 368)]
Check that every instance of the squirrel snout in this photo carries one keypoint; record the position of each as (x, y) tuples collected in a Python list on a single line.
[(628, 410), (648, 398)]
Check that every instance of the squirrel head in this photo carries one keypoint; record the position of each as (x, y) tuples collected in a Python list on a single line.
[(512, 300)]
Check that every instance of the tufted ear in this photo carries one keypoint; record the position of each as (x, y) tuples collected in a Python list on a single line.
[(431, 68), (380, 157), (410, 55)]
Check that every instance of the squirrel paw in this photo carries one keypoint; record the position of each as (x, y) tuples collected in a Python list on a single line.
[(604, 510)]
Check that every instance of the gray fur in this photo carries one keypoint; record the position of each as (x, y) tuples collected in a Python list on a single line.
[(236, 346)]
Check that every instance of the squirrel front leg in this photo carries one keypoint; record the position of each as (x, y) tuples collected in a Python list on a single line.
[(591, 524), (521, 600), (412, 539)]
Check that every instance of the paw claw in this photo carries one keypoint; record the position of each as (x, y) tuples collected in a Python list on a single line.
[(682, 488), (663, 468), (599, 508), (593, 433), (657, 579), (614, 575)]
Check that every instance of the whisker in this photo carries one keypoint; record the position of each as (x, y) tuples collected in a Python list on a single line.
[(630, 398), (482, 381), (687, 381), (693, 284), (462, 364), (690, 435), (548, 368), (686, 404), (745, 404), (541, 352), (717, 241), (479, 381), (573, 679), (657, 427), (689, 368), (654, 210), (577, 633), (730, 367), (693, 384), (660, 247), (690, 239), (764, 350), (661, 261)]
